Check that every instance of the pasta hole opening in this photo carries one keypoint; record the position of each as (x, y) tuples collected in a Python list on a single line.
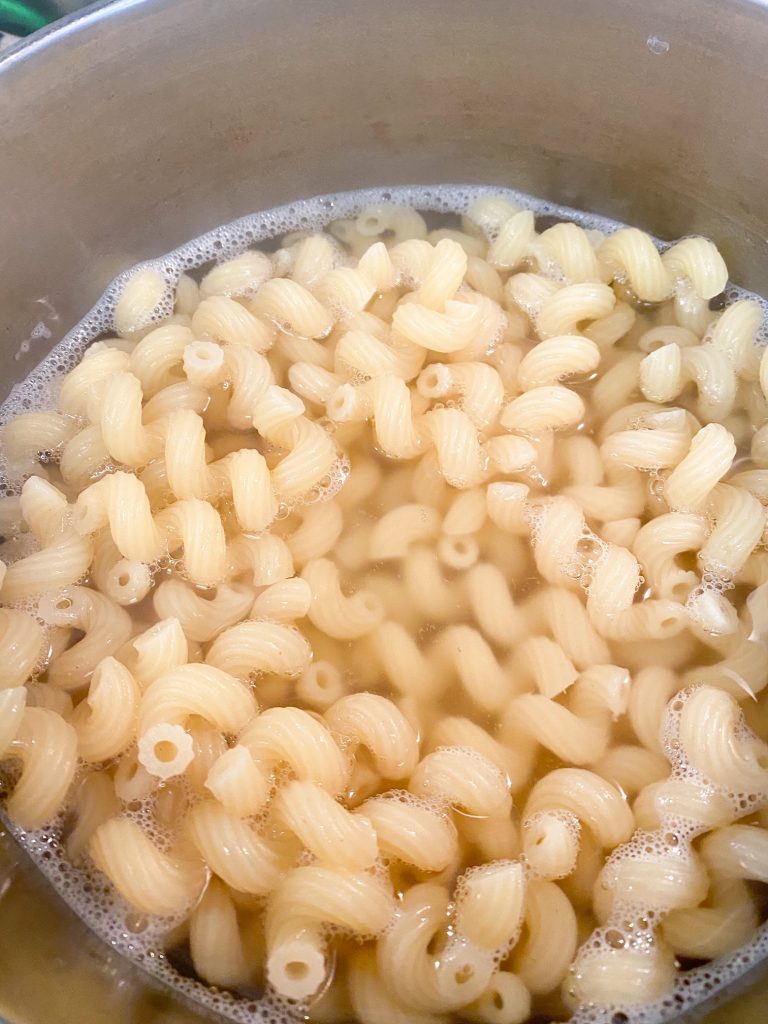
[(497, 1000), (165, 751), (680, 592), (63, 604), (464, 974), (123, 579), (296, 970)]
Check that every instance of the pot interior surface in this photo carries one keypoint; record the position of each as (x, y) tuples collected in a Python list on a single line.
[(146, 122)]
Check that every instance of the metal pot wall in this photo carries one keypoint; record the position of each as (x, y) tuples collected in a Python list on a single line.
[(137, 126)]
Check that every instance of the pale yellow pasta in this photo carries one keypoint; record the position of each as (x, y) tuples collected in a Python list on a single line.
[(506, 1000), (737, 851), (257, 646), (460, 975), (239, 784), (489, 904), (555, 359), (465, 652), (140, 300), (629, 253), (676, 799), (106, 627), (697, 261), (313, 383), (709, 932), (568, 307), (594, 801), (201, 690), (325, 828), (157, 650), (512, 240), (119, 501), (337, 548), (43, 507), (82, 388), (289, 305), (13, 701), (202, 618), (153, 882), (403, 526), (94, 801), (57, 565), (21, 647), (320, 685), (121, 580), (47, 748), (296, 738), (312, 457), (506, 506), (513, 759), (331, 611), (566, 249), (561, 612), (631, 768), (543, 408), (492, 605), (631, 975), (284, 601), (487, 212), (232, 848), (739, 523), (478, 385), (360, 351), (240, 275), (543, 662), (378, 724), (466, 513), (223, 319), (388, 402), (444, 332), (462, 778), (544, 955), (105, 721), (372, 1001), (157, 358), (658, 546), (405, 666), (669, 878), (215, 942), (412, 830), (551, 843), (307, 898), (712, 742)]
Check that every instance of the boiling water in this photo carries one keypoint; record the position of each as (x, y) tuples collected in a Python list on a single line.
[(145, 940)]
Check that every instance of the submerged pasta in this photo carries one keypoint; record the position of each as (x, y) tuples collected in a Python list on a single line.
[(380, 616)]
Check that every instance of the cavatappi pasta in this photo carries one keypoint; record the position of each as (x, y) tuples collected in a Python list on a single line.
[(384, 619)]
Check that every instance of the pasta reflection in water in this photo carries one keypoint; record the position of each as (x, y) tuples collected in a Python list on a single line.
[(384, 620)]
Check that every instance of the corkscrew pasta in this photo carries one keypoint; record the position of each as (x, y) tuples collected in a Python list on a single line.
[(384, 618)]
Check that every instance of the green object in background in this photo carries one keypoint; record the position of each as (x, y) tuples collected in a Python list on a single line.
[(20, 18)]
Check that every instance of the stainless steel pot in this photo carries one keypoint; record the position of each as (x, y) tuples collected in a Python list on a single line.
[(129, 130)]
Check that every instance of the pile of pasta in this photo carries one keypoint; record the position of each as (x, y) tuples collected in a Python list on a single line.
[(388, 613)]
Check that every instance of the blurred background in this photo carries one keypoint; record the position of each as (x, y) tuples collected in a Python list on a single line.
[(20, 17)]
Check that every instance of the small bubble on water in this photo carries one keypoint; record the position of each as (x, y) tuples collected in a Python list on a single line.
[(657, 46)]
